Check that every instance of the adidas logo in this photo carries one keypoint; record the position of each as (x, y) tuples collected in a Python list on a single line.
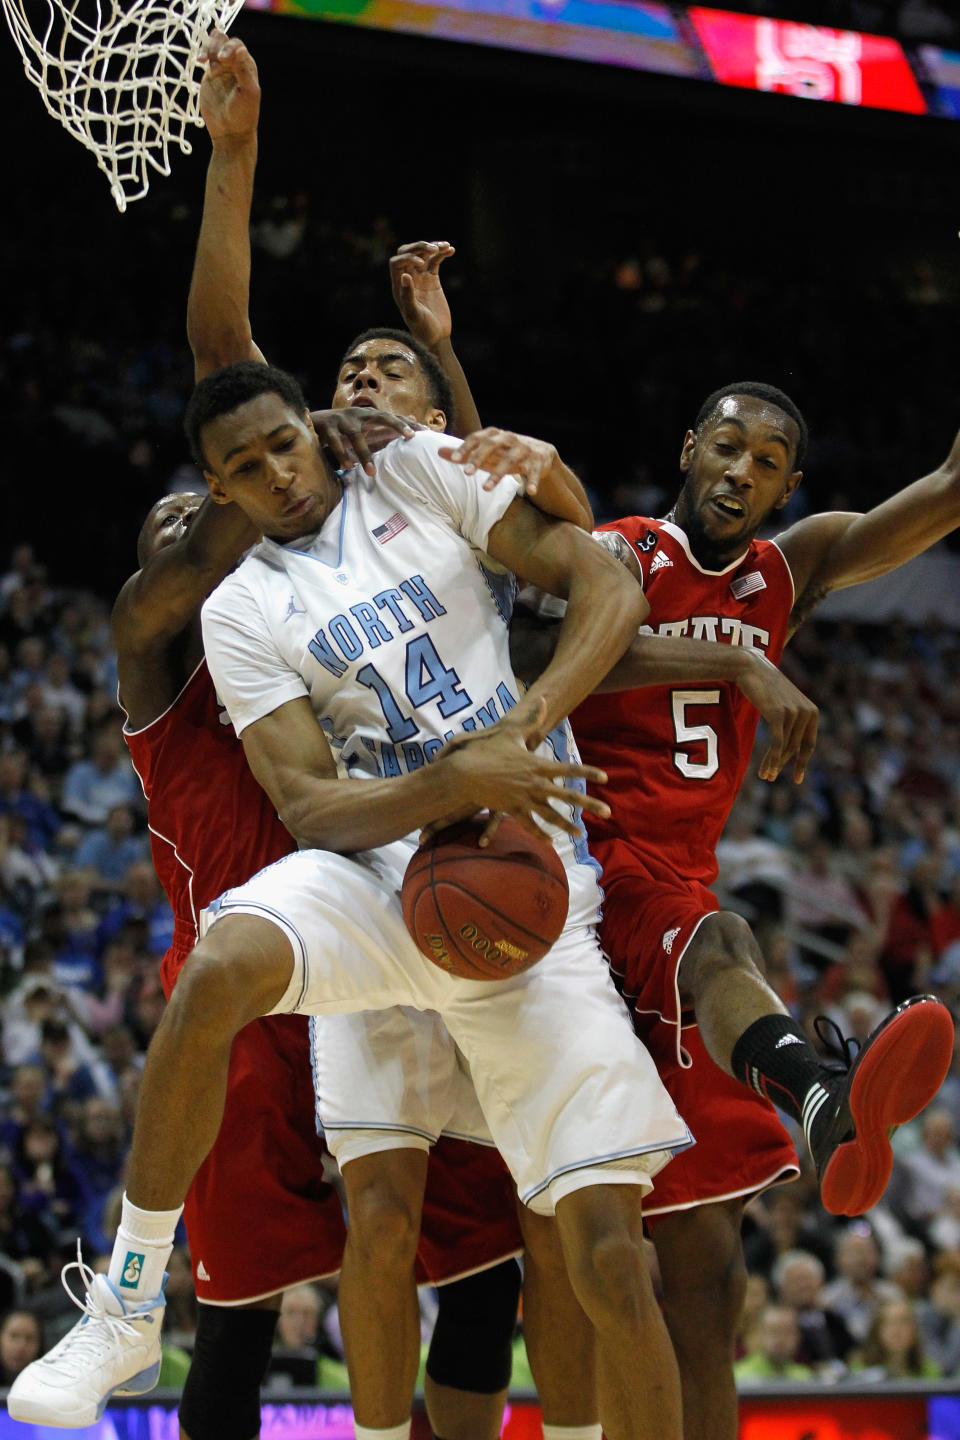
[(202, 1271), (659, 562), (787, 1040), (669, 935)]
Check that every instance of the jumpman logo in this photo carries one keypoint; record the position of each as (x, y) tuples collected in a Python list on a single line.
[(132, 1267), (292, 610)]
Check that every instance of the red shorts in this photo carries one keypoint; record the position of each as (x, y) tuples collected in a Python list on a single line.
[(650, 916), (260, 1216), (469, 1212)]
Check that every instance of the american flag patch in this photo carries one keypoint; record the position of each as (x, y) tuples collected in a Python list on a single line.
[(744, 585), (394, 525)]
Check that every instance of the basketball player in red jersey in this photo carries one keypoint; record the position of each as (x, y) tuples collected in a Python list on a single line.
[(676, 755)]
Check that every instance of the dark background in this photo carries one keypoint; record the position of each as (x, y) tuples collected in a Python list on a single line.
[(625, 244)]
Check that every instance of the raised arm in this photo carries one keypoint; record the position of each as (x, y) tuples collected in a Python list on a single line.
[(218, 319), (550, 484), (833, 551), (419, 296)]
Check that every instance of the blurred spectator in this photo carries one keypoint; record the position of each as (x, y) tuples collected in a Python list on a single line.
[(858, 1289), (47, 1186), (931, 1171), (772, 1352), (893, 1349), (35, 1000), (777, 1223), (24, 1234), (907, 1267), (110, 849), (96, 1157), (143, 915), (939, 1317), (70, 925), (21, 1340), (91, 788), (298, 1357), (825, 1341), (41, 822)]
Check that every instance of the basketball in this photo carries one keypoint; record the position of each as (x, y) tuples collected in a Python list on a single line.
[(485, 914)]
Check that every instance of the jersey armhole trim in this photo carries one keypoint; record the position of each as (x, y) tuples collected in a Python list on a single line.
[(164, 713)]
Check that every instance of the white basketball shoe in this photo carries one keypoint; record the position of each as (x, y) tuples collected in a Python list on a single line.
[(113, 1350)]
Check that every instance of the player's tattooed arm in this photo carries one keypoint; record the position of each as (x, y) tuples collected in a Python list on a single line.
[(545, 480), (218, 320), (620, 548), (419, 296)]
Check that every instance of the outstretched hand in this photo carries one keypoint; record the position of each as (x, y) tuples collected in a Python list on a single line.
[(418, 292), (230, 89), (790, 717), (500, 453), (353, 435)]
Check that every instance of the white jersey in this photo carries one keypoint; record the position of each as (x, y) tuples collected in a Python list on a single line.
[(392, 619)]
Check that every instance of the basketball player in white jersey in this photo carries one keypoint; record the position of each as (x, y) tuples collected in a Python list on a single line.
[(363, 640), (383, 1152)]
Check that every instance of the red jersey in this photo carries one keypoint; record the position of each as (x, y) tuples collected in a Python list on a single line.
[(211, 825), (676, 755)]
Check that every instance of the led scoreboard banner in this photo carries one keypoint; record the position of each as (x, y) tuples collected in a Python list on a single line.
[(751, 52)]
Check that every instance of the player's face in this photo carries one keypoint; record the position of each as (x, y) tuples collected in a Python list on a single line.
[(739, 469), (264, 456), (168, 521), (386, 375)]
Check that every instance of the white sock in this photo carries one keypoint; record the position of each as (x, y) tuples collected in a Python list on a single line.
[(392, 1432), (573, 1432), (141, 1251)]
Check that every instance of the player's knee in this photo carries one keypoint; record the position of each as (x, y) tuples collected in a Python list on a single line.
[(221, 1395), (221, 985), (723, 943), (609, 1274), (471, 1348), (383, 1219)]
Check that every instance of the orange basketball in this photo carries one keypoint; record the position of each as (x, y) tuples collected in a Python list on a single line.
[(485, 914)]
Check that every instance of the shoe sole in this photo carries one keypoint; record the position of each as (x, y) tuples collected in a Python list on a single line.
[(36, 1412), (895, 1078)]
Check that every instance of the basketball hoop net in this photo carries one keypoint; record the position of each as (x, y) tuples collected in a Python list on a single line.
[(121, 76)]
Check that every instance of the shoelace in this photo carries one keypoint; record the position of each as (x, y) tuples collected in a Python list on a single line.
[(86, 1338), (842, 1049)]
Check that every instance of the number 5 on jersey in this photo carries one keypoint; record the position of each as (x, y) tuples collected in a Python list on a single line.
[(683, 701)]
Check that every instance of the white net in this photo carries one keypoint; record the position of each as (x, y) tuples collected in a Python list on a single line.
[(120, 75)]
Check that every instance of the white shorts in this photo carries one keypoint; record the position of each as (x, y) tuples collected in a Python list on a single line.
[(389, 1080), (569, 1093)]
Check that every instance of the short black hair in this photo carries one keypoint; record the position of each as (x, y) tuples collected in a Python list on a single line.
[(223, 390), (759, 391), (438, 386)]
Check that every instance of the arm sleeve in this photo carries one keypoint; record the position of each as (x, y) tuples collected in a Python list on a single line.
[(251, 677), (446, 489)]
